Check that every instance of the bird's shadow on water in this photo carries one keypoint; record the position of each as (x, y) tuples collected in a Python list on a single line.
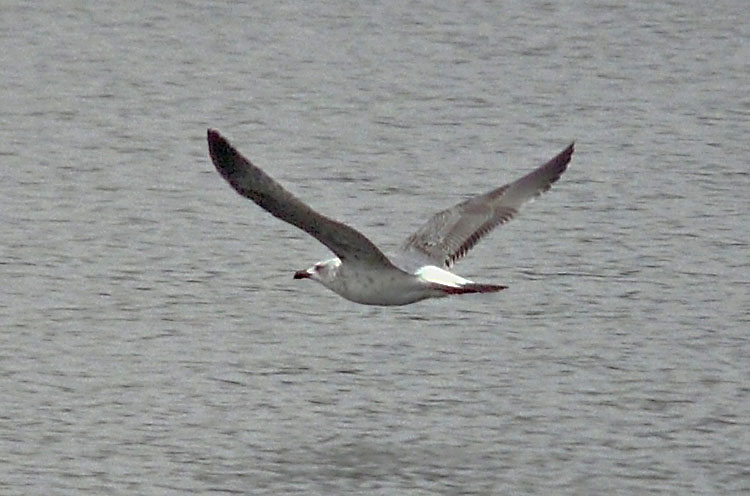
[(370, 462)]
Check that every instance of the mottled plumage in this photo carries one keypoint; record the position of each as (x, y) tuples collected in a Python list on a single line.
[(361, 272)]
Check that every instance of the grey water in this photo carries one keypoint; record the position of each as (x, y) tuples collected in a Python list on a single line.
[(152, 340)]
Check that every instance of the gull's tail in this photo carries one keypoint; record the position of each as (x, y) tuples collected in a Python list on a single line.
[(472, 288)]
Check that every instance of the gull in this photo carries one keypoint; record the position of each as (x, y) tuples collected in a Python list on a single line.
[(362, 273)]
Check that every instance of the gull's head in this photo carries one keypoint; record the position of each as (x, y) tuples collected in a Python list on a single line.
[(324, 272)]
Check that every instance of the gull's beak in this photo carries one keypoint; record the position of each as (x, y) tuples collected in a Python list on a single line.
[(302, 274)]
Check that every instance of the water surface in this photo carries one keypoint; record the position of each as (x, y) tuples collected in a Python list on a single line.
[(153, 340)]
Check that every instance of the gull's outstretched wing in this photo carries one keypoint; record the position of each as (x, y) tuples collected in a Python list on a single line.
[(450, 234), (251, 182)]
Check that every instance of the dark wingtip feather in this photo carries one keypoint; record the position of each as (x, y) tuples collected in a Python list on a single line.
[(560, 165), (570, 149), (563, 158), (567, 154), (216, 140), (232, 165), (223, 155)]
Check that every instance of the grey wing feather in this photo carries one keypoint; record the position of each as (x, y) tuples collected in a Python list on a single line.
[(251, 182), (451, 233)]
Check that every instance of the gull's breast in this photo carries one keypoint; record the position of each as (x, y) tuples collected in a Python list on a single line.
[(382, 287)]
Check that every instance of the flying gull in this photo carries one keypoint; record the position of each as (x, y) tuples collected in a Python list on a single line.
[(360, 272)]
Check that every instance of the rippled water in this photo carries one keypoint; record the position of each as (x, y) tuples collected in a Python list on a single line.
[(154, 342)]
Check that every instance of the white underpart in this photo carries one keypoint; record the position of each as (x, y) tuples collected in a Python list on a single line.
[(432, 273)]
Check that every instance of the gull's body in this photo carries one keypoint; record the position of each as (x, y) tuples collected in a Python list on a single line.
[(360, 272)]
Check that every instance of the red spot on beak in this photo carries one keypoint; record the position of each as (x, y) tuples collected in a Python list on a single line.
[(302, 274)]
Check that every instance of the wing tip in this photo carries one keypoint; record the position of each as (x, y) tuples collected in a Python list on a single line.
[(216, 141), (561, 161), (225, 157), (567, 153)]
